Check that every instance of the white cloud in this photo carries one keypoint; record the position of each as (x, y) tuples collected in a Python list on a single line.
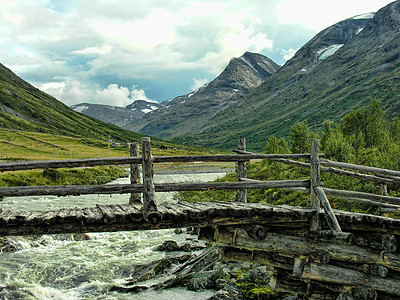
[(288, 54), (113, 95), (74, 92), (139, 94), (319, 14), (73, 47), (198, 83), (233, 41), (99, 50), (118, 95)]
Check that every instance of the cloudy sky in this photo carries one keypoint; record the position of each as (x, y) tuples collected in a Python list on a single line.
[(116, 51)]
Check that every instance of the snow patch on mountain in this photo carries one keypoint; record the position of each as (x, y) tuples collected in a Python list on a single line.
[(80, 108), (328, 51), (364, 16), (359, 30)]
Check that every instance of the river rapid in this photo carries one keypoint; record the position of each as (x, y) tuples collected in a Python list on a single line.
[(65, 267)]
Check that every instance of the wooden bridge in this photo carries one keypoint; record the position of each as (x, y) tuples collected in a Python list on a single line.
[(317, 251)]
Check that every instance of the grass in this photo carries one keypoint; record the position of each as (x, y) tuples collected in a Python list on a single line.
[(21, 145), (85, 176)]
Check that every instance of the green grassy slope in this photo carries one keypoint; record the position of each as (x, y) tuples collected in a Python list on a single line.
[(366, 67), (24, 107)]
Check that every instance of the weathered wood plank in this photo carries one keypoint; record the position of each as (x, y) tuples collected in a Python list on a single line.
[(132, 213), (241, 195), (92, 215), (377, 171), (138, 188), (351, 195), (233, 254), (149, 198), (337, 275), (315, 182), (333, 236), (329, 214), (108, 213), (292, 245), (72, 163), (337, 171), (135, 174)]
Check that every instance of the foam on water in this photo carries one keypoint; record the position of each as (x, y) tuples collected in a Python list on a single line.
[(58, 267)]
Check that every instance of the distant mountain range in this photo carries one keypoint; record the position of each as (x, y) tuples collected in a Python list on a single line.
[(24, 107), (342, 68), (186, 114), (120, 116), (190, 112)]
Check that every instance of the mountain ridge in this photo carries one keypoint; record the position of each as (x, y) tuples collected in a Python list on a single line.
[(189, 112), (24, 107), (117, 115), (365, 67)]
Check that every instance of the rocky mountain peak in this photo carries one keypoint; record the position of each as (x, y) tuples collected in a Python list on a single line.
[(342, 68), (326, 43), (245, 72), (386, 19), (116, 115), (144, 106), (193, 110)]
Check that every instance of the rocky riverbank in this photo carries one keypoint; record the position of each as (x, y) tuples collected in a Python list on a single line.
[(196, 266)]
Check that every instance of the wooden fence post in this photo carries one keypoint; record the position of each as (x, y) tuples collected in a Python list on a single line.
[(135, 174), (315, 182), (241, 195), (149, 211), (383, 189), (329, 214)]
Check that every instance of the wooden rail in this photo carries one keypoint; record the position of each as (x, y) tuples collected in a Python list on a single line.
[(148, 188), (72, 163)]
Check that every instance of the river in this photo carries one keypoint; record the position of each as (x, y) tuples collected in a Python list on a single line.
[(59, 267)]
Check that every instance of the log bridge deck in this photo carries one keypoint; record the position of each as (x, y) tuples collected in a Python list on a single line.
[(317, 251)]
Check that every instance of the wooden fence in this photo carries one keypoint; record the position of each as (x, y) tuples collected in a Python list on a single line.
[(148, 188)]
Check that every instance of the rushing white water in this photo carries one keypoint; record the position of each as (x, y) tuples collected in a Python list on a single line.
[(58, 267)]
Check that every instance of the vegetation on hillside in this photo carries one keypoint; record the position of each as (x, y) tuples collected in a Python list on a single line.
[(83, 176), (22, 145), (24, 107), (363, 137)]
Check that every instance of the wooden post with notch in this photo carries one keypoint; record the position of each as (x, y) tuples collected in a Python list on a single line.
[(149, 209), (241, 195), (135, 198), (315, 182), (328, 211)]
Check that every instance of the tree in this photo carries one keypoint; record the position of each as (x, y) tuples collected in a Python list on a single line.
[(353, 123), (394, 129), (375, 124), (276, 146), (338, 147), (300, 138)]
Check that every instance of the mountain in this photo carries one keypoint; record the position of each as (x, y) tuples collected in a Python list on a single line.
[(191, 112), (116, 115), (342, 68), (24, 107)]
